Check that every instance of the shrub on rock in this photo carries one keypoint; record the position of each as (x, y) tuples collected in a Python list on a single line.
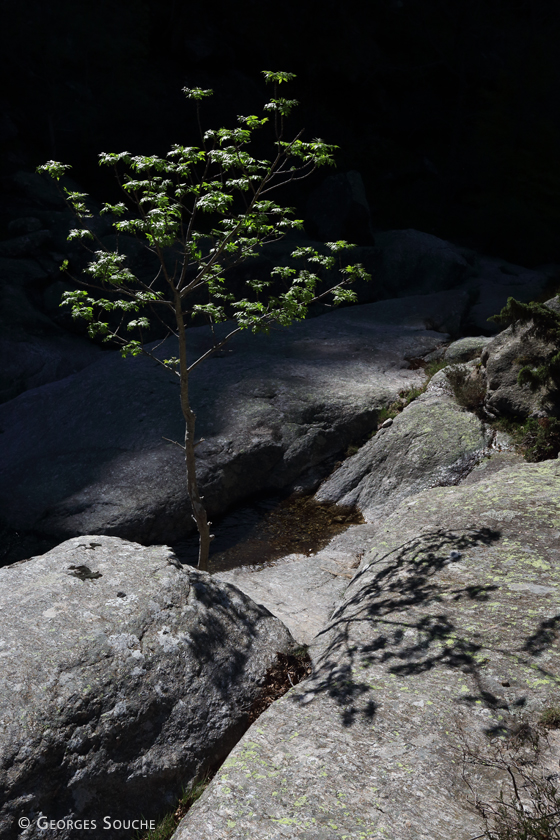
[(523, 361)]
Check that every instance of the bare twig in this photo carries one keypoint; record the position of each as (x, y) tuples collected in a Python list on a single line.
[(176, 442)]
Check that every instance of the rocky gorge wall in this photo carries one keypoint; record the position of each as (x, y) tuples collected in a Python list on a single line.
[(433, 622)]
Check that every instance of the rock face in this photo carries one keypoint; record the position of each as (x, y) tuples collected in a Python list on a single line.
[(31, 361), (503, 358), (433, 442), (492, 283), (411, 262), (440, 311), (339, 209), (38, 344), (123, 676), (447, 635), (86, 454), (414, 262), (34, 348)]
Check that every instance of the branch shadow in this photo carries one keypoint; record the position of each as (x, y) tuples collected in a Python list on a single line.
[(371, 627)]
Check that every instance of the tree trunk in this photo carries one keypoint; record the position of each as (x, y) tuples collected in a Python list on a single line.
[(199, 511)]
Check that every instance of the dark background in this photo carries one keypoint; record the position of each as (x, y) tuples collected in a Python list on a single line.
[(448, 108)]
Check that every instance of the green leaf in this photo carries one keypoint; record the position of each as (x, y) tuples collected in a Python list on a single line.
[(197, 93), (110, 159), (303, 251), (53, 168), (115, 209), (108, 268), (80, 233), (252, 121), (341, 245), (281, 106), (132, 348), (138, 323), (278, 77)]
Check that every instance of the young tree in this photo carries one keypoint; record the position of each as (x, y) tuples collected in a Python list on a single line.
[(201, 211)]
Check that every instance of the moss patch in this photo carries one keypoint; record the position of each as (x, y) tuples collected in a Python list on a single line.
[(536, 439)]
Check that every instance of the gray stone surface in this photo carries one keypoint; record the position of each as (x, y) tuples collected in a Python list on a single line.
[(441, 311), (122, 676), (28, 361), (86, 454), (448, 634), (28, 243), (411, 263), (465, 349), (301, 591), (432, 442), (403, 263)]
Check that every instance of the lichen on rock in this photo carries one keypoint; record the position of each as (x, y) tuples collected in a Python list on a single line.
[(448, 635)]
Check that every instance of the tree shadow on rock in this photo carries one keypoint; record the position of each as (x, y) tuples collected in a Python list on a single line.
[(545, 635), (399, 615)]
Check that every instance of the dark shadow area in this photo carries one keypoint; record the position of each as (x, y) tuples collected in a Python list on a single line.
[(21, 545), (447, 109)]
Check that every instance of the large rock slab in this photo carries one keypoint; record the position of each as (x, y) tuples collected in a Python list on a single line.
[(123, 676), (413, 262), (87, 454), (29, 361), (447, 635), (432, 442), (465, 349), (441, 311)]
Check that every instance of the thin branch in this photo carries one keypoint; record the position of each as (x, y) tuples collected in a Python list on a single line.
[(163, 340), (514, 783), (160, 362), (213, 349), (180, 445), (290, 180)]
